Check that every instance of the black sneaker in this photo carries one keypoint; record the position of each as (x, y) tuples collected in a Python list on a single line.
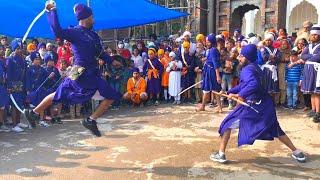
[(300, 157), (92, 126), (311, 114), (58, 120), (316, 118), (32, 118), (218, 158)]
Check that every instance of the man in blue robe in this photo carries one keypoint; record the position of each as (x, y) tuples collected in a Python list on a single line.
[(211, 76), (252, 125), (87, 48), (16, 79), (36, 75)]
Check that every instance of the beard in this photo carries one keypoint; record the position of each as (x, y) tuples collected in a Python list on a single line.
[(242, 65)]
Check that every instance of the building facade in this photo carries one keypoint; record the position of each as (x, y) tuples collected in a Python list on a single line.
[(258, 15)]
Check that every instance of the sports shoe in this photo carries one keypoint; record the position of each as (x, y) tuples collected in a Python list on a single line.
[(21, 125), (4, 128), (218, 158), (300, 157), (285, 106), (17, 129), (43, 124), (230, 107), (311, 114), (32, 118), (316, 118), (92, 126)]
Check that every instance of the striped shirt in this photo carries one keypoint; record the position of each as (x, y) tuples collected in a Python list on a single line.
[(293, 74)]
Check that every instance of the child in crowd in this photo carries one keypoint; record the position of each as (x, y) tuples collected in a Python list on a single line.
[(165, 59), (293, 77), (174, 68)]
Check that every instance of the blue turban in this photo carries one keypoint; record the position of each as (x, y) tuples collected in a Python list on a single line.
[(41, 45), (82, 11), (16, 43), (250, 52), (50, 57), (136, 70), (34, 55), (237, 30), (167, 49), (212, 39), (240, 38)]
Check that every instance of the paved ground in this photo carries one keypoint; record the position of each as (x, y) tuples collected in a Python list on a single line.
[(155, 143)]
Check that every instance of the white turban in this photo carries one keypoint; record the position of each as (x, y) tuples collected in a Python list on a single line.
[(253, 40), (315, 29), (269, 36), (186, 33), (172, 54)]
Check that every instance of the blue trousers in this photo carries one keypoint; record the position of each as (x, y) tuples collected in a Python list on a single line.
[(292, 93)]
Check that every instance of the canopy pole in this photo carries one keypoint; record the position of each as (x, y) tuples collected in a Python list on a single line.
[(88, 3)]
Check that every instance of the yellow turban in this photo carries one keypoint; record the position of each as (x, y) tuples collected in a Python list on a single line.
[(186, 44), (200, 38), (152, 51), (160, 52)]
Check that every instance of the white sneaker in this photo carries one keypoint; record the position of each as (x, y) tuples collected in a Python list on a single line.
[(21, 125), (17, 129), (43, 124), (4, 128)]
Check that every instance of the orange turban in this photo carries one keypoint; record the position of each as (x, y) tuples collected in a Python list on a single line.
[(225, 34), (31, 47)]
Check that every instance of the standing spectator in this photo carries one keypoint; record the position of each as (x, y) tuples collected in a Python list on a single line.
[(16, 80), (227, 70), (122, 51), (211, 74), (302, 43), (153, 69), (271, 57), (230, 44), (42, 50), (174, 68), (164, 58), (309, 84), (115, 80), (4, 98), (35, 76), (137, 60), (200, 59), (187, 38), (285, 58), (188, 75), (304, 32), (293, 77)]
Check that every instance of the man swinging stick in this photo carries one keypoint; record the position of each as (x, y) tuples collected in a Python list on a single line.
[(86, 80), (252, 125)]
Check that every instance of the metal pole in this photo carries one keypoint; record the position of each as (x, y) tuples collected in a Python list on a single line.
[(88, 3)]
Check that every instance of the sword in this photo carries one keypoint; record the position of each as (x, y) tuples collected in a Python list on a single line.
[(35, 20), (237, 100), (20, 110), (190, 87), (50, 75)]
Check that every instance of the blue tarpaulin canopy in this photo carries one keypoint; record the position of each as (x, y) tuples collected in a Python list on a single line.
[(108, 14)]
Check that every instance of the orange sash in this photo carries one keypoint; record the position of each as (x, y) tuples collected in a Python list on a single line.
[(152, 71)]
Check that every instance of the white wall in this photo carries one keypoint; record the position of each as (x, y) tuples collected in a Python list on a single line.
[(249, 17), (293, 3)]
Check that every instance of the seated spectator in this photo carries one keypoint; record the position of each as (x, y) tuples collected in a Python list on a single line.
[(136, 89)]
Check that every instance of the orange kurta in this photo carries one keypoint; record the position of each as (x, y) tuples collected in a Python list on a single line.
[(165, 75), (136, 87)]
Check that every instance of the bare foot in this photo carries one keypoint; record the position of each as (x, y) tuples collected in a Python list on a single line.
[(218, 110)]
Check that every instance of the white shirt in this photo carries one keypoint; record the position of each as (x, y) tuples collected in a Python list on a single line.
[(138, 62)]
